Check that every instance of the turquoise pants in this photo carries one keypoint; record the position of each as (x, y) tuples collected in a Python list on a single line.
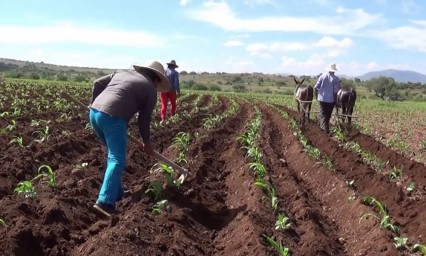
[(113, 132)]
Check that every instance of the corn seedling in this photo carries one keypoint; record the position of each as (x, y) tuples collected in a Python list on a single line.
[(400, 242), (48, 174), (395, 173), (159, 207), (327, 163), (350, 183), (282, 222), (411, 187), (17, 140), (339, 134), (270, 191), (43, 135), (168, 171), (421, 248), (283, 251), (258, 169), (2, 222), (26, 187), (155, 188), (12, 126), (385, 220)]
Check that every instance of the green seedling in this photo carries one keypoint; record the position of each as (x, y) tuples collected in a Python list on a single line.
[(159, 207), (26, 187), (43, 135), (168, 172), (17, 140), (283, 251), (155, 188), (258, 169), (421, 248), (385, 220), (2, 222), (47, 174), (411, 187), (350, 183), (400, 242), (395, 173), (282, 222)]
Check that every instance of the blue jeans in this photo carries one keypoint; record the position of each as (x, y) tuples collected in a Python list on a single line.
[(113, 132)]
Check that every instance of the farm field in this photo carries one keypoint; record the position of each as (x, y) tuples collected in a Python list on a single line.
[(259, 184)]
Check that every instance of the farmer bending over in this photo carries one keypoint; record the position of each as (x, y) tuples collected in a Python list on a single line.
[(115, 99)]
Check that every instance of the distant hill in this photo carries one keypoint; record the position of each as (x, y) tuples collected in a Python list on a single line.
[(402, 76)]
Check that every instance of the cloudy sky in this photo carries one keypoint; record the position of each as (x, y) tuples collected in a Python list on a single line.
[(270, 36)]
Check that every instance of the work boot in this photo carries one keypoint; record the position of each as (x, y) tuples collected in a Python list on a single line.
[(105, 210)]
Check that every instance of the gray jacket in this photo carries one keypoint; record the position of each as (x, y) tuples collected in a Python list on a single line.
[(123, 94)]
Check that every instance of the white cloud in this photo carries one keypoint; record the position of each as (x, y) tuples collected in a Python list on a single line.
[(78, 34), (328, 41), (233, 43), (404, 37), (253, 3), (409, 6), (184, 2), (344, 22)]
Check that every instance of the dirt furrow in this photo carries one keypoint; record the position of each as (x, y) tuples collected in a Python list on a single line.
[(408, 214), (326, 222)]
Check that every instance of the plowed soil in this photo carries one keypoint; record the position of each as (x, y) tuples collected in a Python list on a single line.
[(218, 210)]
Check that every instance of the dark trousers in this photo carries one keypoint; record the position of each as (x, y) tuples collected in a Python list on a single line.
[(326, 109)]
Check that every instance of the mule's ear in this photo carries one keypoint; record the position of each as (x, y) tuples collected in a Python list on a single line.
[(302, 81), (295, 80)]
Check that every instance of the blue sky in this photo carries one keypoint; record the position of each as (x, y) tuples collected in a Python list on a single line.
[(269, 36)]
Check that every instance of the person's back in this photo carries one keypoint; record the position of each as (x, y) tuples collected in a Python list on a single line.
[(127, 93)]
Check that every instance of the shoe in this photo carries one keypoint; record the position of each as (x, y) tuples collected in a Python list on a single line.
[(104, 210)]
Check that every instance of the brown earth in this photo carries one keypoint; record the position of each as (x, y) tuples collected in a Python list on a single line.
[(218, 210)]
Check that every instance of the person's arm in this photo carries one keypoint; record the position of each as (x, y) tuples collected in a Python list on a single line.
[(176, 82), (100, 84), (318, 85), (144, 123)]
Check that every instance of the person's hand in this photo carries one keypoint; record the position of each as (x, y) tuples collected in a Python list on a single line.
[(147, 147)]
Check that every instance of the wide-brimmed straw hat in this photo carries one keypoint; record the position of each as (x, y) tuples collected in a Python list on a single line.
[(157, 67), (172, 63), (332, 68)]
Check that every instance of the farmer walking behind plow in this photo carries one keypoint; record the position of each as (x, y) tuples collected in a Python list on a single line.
[(326, 89)]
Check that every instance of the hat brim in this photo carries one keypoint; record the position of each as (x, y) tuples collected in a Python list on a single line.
[(163, 86), (332, 70), (171, 64)]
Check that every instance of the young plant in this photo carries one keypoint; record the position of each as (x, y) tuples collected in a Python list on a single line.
[(395, 173), (43, 135), (400, 242), (385, 219), (283, 251), (18, 140), (48, 174), (2, 222), (168, 171), (258, 169), (159, 207), (411, 187), (26, 187), (282, 222), (155, 188), (421, 248)]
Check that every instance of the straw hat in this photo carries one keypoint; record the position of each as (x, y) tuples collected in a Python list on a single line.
[(157, 67), (172, 63), (332, 68)]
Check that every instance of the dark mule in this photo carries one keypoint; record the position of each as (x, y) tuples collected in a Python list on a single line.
[(346, 98), (304, 95)]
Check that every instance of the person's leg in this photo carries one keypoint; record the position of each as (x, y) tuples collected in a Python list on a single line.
[(322, 115), (173, 103), (115, 133), (328, 110), (164, 99), (93, 114)]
